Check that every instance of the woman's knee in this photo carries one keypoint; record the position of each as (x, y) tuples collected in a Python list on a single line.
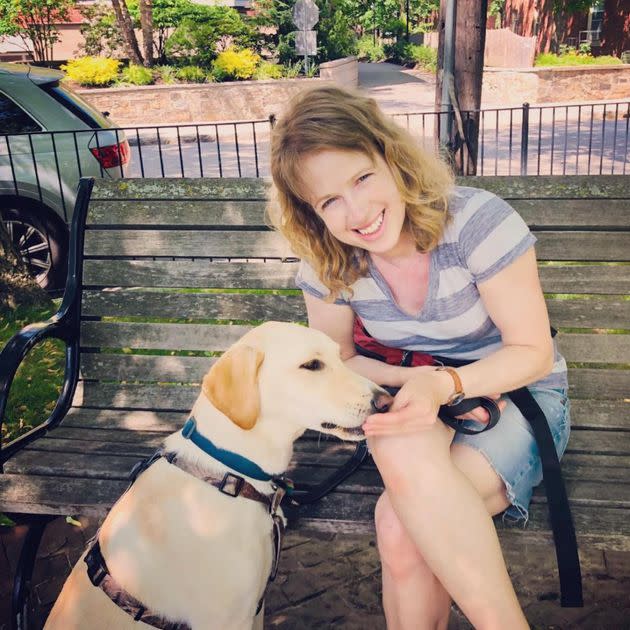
[(397, 551)]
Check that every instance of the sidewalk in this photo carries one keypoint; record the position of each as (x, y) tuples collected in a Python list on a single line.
[(334, 581)]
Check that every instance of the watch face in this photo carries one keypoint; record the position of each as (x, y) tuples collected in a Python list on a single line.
[(456, 399)]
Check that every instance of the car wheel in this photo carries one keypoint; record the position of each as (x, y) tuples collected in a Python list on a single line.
[(40, 239)]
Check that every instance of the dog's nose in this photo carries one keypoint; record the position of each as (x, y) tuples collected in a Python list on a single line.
[(381, 402)]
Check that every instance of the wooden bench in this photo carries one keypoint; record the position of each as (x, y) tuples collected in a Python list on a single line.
[(170, 272)]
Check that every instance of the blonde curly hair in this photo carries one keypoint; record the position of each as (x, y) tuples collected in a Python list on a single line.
[(332, 118)]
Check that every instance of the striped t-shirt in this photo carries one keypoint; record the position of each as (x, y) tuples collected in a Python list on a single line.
[(484, 236)]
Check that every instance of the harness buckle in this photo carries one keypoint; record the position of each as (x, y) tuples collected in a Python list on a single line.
[(231, 484)]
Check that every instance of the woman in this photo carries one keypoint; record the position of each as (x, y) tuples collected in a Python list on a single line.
[(385, 235)]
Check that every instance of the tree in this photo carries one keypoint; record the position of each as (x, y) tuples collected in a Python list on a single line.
[(101, 34), (126, 26), (35, 23), (17, 286), (146, 23)]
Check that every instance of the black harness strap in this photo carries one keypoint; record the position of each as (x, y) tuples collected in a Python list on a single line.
[(557, 500)]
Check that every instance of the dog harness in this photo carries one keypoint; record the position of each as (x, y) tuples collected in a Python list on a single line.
[(230, 484)]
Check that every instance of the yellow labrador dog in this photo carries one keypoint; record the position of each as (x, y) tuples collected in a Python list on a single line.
[(183, 552)]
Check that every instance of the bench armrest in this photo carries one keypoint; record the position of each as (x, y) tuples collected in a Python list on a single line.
[(12, 355)]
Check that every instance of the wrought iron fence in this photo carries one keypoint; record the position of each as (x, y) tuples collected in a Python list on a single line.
[(527, 140)]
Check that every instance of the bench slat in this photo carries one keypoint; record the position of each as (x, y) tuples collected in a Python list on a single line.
[(574, 213), (186, 243), (194, 274), (592, 313), (598, 279), (209, 337), (582, 491), (582, 441), (177, 212), (181, 188), (338, 511), (587, 414), (552, 245), (585, 383), (530, 187)]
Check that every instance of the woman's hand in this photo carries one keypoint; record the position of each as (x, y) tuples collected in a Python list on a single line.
[(414, 408), (416, 405)]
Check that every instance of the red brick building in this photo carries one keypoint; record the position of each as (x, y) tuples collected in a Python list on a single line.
[(606, 26)]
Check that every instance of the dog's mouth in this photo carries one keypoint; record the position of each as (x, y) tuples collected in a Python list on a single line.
[(329, 426)]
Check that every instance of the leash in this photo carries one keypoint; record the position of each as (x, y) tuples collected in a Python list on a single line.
[(230, 484), (562, 526)]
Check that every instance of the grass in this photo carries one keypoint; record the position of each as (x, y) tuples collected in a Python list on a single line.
[(575, 59), (38, 381)]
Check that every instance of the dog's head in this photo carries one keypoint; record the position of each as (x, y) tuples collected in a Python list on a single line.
[(292, 376)]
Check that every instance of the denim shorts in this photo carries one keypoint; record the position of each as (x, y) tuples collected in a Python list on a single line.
[(511, 449)]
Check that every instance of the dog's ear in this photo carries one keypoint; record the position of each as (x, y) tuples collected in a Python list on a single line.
[(231, 385)]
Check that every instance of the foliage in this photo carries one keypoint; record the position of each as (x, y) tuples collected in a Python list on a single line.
[(37, 384), (137, 75), (573, 6), (167, 74), (268, 70), (234, 64), (575, 58), (292, 69), (198, 41), (101, 33), (92, 71), (192, 74), (368, 50), (34, 21), (335, 36), (423, 56)]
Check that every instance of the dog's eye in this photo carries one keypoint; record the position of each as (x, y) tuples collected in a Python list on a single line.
[(313, 365)]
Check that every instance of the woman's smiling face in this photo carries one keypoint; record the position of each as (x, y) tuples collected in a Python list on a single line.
[(356, 197)]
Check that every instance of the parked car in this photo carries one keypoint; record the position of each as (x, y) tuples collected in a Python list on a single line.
[(49, 138)]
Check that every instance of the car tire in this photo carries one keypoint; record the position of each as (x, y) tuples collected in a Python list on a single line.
[(40, 238)]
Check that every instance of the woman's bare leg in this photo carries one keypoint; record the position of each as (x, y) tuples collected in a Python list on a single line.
[(447, 521)]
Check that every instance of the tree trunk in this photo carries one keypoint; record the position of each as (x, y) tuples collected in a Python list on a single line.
[(17, 286), (470, 38), (146, 21), (126, 26)]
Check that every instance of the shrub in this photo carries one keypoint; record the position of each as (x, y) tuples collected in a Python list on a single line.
[(269, 70), (92, 71), (574, 58), (137, 75), (167, 74), (423, 56), (192, 74), (233, 64), (367, 49), (292, 70)]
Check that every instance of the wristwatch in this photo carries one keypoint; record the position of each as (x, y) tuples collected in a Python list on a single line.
[(458, 395)]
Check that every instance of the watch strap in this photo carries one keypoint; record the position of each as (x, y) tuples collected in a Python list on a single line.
[(458, 395)]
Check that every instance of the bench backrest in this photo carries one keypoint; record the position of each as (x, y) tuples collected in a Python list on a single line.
[(176, 270)]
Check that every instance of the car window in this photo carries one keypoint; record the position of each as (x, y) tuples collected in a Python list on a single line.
[(76, 105), (13, 119)]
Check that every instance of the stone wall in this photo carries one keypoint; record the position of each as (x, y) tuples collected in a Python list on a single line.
[(547, 85), (341, 71), (209, 102)]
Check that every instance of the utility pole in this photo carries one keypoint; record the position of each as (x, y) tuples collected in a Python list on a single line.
[(458, 89)]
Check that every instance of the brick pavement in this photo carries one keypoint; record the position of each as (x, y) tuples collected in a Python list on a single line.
[(334, 580)]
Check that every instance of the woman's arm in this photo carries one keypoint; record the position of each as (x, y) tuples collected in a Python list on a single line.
[(337, 321), (515, 302)]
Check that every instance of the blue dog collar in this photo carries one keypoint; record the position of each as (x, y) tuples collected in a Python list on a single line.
[(233, 460)]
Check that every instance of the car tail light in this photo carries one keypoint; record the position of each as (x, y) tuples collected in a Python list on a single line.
[(112, 156)]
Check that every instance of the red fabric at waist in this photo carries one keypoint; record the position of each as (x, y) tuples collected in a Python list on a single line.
[(392, 356)]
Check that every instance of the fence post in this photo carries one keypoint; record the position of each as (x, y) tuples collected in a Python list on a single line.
[(524, 138)]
